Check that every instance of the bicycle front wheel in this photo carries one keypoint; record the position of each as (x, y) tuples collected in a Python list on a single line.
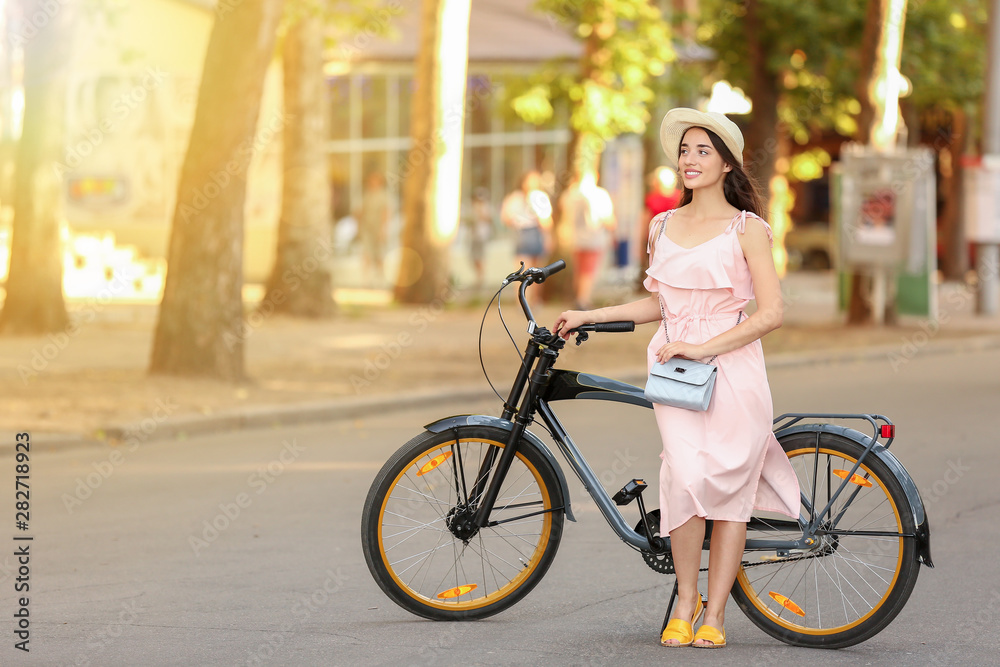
[(856, 578), (417, 539)]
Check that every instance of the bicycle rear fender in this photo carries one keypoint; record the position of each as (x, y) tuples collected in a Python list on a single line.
[(923, 532), (487, 420)]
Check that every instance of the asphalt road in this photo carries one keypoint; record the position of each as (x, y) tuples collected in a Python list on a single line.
[(244, 548)]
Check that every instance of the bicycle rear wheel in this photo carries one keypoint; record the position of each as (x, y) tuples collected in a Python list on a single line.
[(858, 576), (412, 533)]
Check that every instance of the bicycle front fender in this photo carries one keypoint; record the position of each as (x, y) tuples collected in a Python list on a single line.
[(487, 420), (923, 532)]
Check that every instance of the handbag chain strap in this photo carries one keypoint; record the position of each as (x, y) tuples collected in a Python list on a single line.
[(659, 300)]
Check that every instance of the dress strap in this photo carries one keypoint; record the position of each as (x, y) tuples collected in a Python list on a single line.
[(740, 224), (656, 226)]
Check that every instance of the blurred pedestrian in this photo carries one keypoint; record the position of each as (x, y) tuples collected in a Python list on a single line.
[(480, 223), (373, 225), (587, 208), (528, 211)]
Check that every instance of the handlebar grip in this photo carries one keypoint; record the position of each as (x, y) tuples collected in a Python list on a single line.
[(615, 327), (554, 267)]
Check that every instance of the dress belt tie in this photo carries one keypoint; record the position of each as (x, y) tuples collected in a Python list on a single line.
[(703, 317)]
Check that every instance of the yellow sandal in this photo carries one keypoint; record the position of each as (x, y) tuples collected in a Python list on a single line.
[(707, 633), (680, 630)]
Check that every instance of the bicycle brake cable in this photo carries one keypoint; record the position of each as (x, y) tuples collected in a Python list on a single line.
[(482, 324), (482, 365), (504, 323)]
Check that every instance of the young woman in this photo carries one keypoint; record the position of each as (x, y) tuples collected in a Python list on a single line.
[(708, 259)]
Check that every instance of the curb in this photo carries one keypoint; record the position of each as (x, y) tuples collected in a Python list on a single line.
[(274, 416)]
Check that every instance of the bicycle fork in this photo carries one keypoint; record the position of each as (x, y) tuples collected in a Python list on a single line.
[(542, 360)]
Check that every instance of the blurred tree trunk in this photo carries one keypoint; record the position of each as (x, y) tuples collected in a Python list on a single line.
[(34, 302), (859, 310), (762, 133), (200, 331), (955, 257), (427, 225), (301, 283)]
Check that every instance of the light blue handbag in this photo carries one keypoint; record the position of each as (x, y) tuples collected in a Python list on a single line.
[(680, 382)]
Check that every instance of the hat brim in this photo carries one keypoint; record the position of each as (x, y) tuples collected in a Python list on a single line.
[(678, 121)]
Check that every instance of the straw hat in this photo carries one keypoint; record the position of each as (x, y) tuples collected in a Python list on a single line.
[(677, 121)]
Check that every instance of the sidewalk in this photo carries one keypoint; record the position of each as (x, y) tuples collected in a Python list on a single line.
[(93, 385)]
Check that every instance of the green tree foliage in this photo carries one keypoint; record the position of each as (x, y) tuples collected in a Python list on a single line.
[(812, 51), (944, 52), (626, 45)]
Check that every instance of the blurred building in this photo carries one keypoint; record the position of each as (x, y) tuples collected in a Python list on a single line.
[(132, 95), (372, 85)]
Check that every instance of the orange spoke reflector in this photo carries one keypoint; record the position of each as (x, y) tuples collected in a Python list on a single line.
[(457, 591), (433, 463), (787, 604), (855, 478)]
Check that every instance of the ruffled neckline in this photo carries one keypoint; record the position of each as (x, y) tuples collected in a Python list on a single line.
[(701, 267)]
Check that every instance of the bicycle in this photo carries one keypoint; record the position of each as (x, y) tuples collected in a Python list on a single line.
[(466, 518)]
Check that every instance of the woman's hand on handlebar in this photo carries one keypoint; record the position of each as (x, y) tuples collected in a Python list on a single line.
[(571, 319)]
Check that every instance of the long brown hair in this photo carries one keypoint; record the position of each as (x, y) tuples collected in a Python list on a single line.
[(739, 187)]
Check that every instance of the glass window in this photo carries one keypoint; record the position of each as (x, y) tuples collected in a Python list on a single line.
[(406, 85), (339, 94), (479, 105), (513, 166), (373, 106), (477, 167)]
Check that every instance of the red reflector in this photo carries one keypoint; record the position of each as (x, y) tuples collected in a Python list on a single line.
[(888, 430)]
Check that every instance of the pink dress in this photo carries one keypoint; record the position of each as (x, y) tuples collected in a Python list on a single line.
[(724, 462)]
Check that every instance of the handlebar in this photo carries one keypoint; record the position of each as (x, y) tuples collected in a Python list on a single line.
[(602, 327), (609, 327), (533, 276)]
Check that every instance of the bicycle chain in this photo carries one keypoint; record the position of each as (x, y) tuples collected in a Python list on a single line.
[(663, 563)]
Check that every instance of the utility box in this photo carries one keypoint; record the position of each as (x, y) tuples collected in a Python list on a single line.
[(885, 216)]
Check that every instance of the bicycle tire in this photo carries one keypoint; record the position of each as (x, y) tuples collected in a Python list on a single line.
[(860, 582), (421, 564)]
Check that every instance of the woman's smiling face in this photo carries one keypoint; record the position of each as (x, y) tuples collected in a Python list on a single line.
[(699, 162)]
